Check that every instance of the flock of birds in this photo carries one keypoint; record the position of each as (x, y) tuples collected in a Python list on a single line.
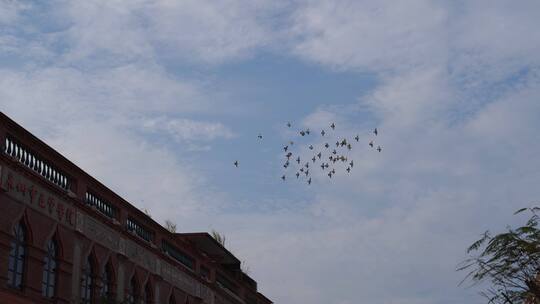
[(328, 157)]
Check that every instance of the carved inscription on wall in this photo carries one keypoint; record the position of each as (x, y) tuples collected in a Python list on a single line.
[(36, 197)]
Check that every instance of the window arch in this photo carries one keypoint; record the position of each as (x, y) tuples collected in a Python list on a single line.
[(87, 283), (17, 257), (107, 281), (133, 291), (48, 281)]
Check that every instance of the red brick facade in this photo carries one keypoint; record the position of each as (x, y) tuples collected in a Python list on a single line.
[(54, 199)]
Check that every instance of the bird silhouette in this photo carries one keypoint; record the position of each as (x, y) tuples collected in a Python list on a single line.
[(289, 124), (298, 159), (349, 147), (322, 132), (288, 155), (334, 152), (307, 165), (286, 148), (259, 136), (283, 177), (379, 148), (309, 181), (343, 142), (302, 170), (376, 132), (357, 137), (348, 169), (371, 143), (302, 133), (337, 143), (236, 164), (313, 159), (326, 145), (310, 147), (307, 172), (330, 174), (307, 131), (322, 166), (351, 164), (297, 174), (319, 155), (333, 126)]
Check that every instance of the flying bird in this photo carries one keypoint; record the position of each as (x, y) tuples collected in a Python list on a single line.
[(379, 148), (322, 132), (330, 174), (351, 164), (326, 145), (289, 124), (343, 142), (313, 159), (348, 169), (307, 172), (337, 143), (302, 133), (319, 155), (307, 131), (349, 147), (307, 165), (310, 147), (236, 164), (375, 132), (322, 166), (309, 181), (288, 155), (334, 152), (259, 136), (283, 177), (298, 159), (371, 143), (333, 126), (285, 148), (357, 137), (297, 174)]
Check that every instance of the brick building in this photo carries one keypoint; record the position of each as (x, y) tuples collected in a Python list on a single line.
[(67, 238)]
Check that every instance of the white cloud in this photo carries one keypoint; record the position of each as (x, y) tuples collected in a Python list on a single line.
[(187, 129)]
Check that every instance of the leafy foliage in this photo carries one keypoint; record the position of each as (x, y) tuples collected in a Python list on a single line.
[(509, 262), (220, 238), (171, 226)]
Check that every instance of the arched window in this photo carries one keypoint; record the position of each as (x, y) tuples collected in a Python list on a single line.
[(106, 281), (16, 257), (133, 291), (49, 270), (87, 284), (147, 296)]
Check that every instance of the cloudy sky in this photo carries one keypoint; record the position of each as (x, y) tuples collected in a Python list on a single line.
[(157, 99)]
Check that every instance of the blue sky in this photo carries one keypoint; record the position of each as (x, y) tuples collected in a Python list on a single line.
[(170, 93)]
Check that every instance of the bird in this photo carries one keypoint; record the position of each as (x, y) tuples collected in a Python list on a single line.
[(357, 137), (236, 164), (375, 132), (326, 145), (348, 169), (288, 155), (379, 148), (291, 143), (283, 177), (307, 172), (309, 181), (307, 131), (307, 165), (285, 148), (302, 133), (334, 152), (330, 157), (297, 174), (326, 166), (313, 159), (259, 136), (298, 159), (330, 174), (319, 155), (349, 147), (371, 143), (343, 142), (322, 166), (301, 169), (337, 143), (351, 164), (310, 147), (333, 171), (322, 132), (333, 126), (285, 165), (289, 124)]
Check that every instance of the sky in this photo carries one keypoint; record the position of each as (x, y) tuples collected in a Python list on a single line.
[(157, 99)]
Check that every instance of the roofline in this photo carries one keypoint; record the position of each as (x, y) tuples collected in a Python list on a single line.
[(207, 235)]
